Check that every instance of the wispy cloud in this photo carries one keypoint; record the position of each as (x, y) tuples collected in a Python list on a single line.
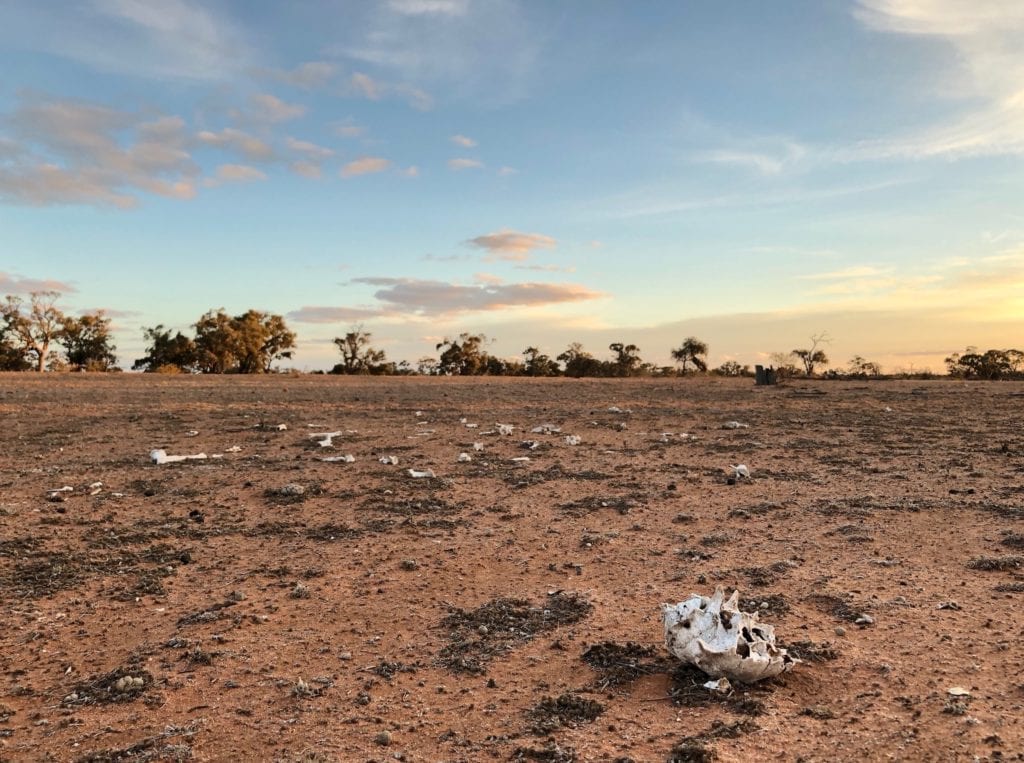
[(512, 245), (270, 108), (429, 7), (762, 160), (234, 173), (315, 314), (348, 129), (74, 152), (238, 141), (311, 150), (12, 283), (308, 76), (365, 86), (985, 36), (462, 140), (365, 165), (506, 171), (436, 298), (464, 164), (162, 39)]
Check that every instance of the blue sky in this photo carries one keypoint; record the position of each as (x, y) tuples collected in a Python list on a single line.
[(752, 173)]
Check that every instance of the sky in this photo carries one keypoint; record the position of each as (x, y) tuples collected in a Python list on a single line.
[(589, 171)]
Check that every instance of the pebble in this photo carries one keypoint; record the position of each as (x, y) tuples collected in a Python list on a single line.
[(383, 738), (840, 630)]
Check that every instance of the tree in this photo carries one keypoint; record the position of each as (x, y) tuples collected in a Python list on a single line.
[(464, 356), (357, 356), (537, 363), (34, 327), (246, 344), (863, 368), (578, 362), (166, 352), (627, 358), (12, 356), (731, 368), (991, 364), (87, 342), (813, 357), (694, 351)]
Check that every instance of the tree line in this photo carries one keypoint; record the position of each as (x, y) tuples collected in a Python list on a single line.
[(37, 335)]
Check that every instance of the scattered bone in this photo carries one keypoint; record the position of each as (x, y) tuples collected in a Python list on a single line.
[(465, 457), (573, 439), (421, 473), (348, 458), (546, 429), (478, 446), (472, 426), (325, 439), (233, 449), (389, 460), (529, 444), (712, 634), (192, 433), (521, 459), (735, 425), (740, 471), (721, 686), (161, 457), (504, 429)]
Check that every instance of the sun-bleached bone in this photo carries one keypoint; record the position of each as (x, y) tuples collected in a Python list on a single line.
[(712, 634)]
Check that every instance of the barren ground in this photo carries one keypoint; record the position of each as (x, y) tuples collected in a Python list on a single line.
[(504, 610)]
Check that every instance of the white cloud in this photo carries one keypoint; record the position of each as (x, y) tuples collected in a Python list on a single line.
[(985, 37), (365, 86), (462, 140), (506, 171), (464, 164), (348, 129), (429, 7), (365, 165), (306, 168), (162, 39)]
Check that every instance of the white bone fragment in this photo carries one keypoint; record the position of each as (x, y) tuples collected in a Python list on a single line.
[(472, 426), (161, 457), (65, 489), (504, 429), (463, 420), (521, 459), (325, 439), (573, 439), (192, 433), (478, 446), (390, 460), (348, 458), (722, 686), (712, 634), (740, 471), (233, 449), (421, 473), (546, 429), (465, 457), (735, 425), (281, 427), (614, 409)]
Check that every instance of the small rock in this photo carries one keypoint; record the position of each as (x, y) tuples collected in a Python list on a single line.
[(292, 489), (383, 738), (865, 620), (840, 630)]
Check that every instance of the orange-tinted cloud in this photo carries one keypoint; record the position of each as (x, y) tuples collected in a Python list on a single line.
[(12, 283), (512, 245), (365, 165)]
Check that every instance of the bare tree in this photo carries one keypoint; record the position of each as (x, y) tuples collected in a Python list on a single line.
[(814, 356), (357, 356)]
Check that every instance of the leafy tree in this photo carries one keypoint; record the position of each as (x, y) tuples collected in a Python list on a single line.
[(32, 328), (812, 356), (991, 364), (863, 368), (731, 368), (12, 356), (463, 356), (87, 342), (691, 351), (627, 358), (246, 344), (166, 351), (537, 363), (578, 362), (357, 356)]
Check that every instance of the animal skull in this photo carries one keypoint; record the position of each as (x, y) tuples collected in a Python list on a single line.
[(715, 636)]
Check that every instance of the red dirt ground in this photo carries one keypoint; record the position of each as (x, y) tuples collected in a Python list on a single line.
[(193, 611)]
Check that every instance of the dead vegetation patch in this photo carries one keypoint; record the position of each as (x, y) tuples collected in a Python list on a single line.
[(568, 709), (996, 563), (413, 507), (617, 664), (772, 604), (809, 651), (1012, 539), (692, 749), (590, 504), (759, 577), (478, 635), (687, 690), (120, 685), (549, 753), (840, 607)]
